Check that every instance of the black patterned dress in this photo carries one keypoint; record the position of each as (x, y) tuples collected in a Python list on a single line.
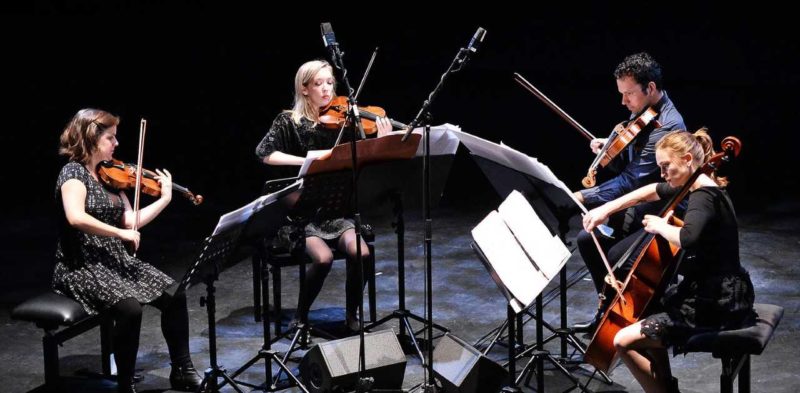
[(289, 137), (95, 270)]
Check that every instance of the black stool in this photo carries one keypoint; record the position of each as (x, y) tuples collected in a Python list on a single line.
[(734, 347), (62, 319)]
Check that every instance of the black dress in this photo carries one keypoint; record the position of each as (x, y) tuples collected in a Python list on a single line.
[(95, 270), (289, 137), (716, 292)]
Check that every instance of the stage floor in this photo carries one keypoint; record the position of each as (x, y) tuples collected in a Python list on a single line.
[(465, 300)]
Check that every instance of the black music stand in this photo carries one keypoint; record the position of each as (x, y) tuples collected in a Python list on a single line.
[(217, 250), (379, 189), (236, 233), (323, 195), (555, 208), (552, 203), (519, 265)]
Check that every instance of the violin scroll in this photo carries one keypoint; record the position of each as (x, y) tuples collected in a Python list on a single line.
[(589, 181)]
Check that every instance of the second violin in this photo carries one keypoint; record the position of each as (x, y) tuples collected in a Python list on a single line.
[(122, 176), (617, 142)]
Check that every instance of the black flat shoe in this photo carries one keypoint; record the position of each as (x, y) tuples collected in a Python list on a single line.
[(672, 386), (126, 385)]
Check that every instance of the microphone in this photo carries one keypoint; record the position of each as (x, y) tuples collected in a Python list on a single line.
[(328, 38), (476, 40)]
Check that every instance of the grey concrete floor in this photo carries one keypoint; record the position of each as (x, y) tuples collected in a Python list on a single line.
[(465, 300)]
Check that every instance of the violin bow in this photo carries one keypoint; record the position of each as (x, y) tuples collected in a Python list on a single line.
[(552, 105), (602, 254), (138, 188)]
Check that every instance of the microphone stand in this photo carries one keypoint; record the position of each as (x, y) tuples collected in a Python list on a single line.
[(364, 383), (424, 117)]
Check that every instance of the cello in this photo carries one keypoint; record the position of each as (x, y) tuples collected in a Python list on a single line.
[(652, 269)]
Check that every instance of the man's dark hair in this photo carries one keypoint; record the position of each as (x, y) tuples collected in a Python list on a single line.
[(642, 68)]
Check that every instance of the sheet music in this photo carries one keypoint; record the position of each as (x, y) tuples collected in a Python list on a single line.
[(310, 157), (547, 251), (443, 140), (522, 279), (483, 148), (244, 213)]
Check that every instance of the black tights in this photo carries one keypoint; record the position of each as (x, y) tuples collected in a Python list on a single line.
[(321, 257), (127, 316)]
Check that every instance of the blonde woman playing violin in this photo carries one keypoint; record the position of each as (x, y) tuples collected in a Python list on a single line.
[(292, 134)]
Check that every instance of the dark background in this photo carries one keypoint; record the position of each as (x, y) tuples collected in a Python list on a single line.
[(210, 81)]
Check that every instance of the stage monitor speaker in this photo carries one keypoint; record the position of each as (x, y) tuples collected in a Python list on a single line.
[(461, 368), (332, 366)]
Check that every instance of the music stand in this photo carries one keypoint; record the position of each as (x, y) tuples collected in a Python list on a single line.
[(522, 256), (327, 192), (508, 170), (235, 233), (397, 190), (323, 195)]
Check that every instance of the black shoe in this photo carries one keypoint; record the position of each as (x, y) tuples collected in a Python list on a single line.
[(672, 385), (126, 385), (351, 324), (184, 377)]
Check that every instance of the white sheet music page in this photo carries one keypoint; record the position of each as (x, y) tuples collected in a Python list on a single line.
[(244, 213), (483, 148), (522, 279), (443, 141), (311, 156), (546, 250)]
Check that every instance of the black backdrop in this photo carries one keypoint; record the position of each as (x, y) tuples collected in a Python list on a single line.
[(210, 81)]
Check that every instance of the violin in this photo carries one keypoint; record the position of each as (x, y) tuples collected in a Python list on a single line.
[(652, 269), (122, 176), (617, 142), (334, 116)]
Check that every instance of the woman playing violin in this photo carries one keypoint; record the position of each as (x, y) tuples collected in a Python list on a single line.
[(92, 263), (292, 134), (716, 292)]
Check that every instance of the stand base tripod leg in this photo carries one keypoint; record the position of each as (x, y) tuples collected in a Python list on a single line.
[(538, 356), (209, 383)]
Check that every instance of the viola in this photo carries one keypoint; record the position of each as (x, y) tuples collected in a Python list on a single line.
[(122, 176), (617, 143), (651, 271), (334, 116)]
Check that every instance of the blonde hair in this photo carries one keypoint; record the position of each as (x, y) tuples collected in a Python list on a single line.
[(302, 106), (80, 136), (699, 145)]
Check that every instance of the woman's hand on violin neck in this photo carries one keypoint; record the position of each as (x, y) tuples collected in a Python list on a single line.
[(384, 126), (130, 236), (165, 180)]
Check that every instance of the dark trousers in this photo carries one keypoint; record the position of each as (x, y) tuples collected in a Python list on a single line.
[(614, 249)]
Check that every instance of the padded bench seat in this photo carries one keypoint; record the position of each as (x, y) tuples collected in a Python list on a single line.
[(734, 347), (62, 318)]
